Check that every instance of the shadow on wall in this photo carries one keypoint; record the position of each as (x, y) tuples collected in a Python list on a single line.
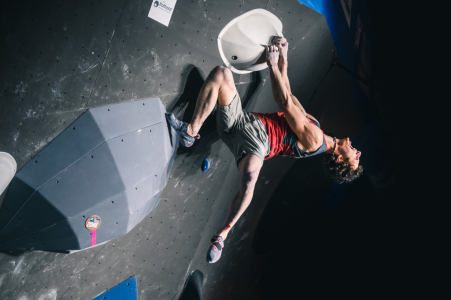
[(26, 232), (315, 254), (297, 200), (184, 107), (193, 286)]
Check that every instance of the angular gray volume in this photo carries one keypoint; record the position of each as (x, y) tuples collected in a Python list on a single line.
[(112, 162)]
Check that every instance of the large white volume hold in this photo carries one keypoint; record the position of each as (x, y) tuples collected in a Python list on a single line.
[(242, 41), (8, 168)]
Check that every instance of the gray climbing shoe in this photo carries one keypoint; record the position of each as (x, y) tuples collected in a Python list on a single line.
[(181, 129), (215, 250)]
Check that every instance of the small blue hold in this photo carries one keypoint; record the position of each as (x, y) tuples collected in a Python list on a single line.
[(205, 165)]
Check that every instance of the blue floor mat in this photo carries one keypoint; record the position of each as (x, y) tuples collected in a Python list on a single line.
[(127, 290)]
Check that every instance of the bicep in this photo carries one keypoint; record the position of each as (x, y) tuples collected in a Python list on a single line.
[(309, 135)]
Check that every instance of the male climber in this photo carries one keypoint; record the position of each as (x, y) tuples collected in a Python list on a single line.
[(255, 137)]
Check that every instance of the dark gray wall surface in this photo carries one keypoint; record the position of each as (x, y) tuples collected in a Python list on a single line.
[(134, 58)]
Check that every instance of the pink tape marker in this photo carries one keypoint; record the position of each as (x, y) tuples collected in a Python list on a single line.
[(93, 237)]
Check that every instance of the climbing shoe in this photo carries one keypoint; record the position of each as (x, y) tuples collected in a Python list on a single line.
[(181, 129), (215, 249)]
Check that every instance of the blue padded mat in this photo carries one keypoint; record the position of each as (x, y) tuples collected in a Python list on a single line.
[(127, 290)]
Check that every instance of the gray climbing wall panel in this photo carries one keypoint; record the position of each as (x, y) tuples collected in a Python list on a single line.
[(112, 162)]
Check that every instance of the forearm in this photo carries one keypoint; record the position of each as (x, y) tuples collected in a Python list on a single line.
[(278, 87), (283, 68)]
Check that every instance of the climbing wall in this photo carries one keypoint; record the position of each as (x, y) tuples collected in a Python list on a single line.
[(59, 59)]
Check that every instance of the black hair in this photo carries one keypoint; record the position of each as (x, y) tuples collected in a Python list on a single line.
[(340, 172)]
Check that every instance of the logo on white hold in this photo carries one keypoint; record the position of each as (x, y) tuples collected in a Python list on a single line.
[(93, 222), (163, 6), (92, 225)]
